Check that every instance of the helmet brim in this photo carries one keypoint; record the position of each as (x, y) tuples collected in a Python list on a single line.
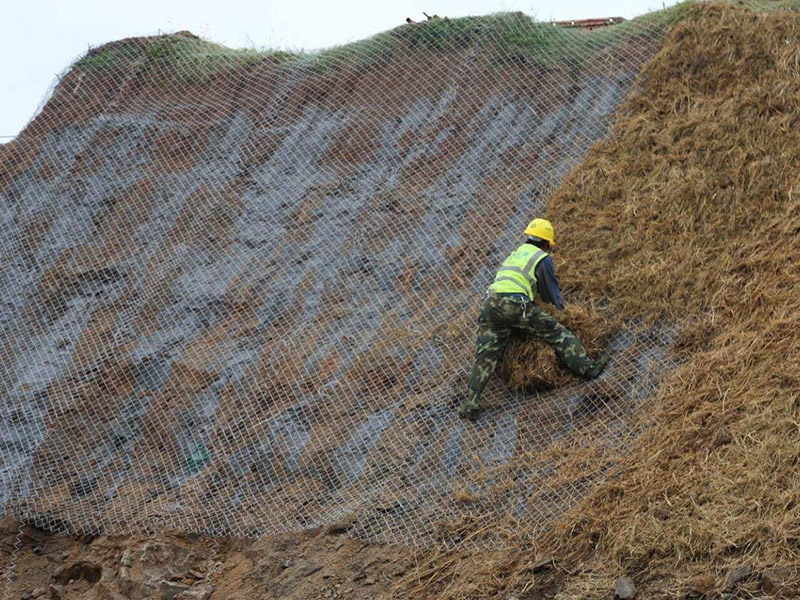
[(530, 234)]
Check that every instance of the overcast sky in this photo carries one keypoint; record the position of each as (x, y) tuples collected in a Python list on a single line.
[(40, 38)]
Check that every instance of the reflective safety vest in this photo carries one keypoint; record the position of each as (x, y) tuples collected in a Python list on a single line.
[(517, 274)]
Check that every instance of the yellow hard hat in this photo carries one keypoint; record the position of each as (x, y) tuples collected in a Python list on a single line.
[(541, 228)]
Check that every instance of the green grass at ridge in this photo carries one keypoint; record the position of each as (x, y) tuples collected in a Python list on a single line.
[(181, 54), (502, 37)]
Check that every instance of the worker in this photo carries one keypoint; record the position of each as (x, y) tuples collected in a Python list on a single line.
[(509, 307)]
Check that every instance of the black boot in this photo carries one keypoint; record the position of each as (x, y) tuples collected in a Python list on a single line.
[(470, 411), (597, 368)]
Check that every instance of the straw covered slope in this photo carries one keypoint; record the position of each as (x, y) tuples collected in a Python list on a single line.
[(690, 211)]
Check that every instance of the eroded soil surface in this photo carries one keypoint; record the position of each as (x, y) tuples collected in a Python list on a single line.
[(316, 564)]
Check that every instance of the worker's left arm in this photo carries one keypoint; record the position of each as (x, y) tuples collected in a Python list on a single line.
[(547, 282)]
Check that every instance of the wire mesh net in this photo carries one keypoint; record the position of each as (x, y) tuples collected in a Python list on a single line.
[(240, 289)]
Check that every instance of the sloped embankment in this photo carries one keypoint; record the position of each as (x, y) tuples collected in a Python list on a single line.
[(240, 289), (687, 212)]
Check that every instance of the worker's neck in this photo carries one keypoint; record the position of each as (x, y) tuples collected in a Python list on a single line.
[(538, 244)]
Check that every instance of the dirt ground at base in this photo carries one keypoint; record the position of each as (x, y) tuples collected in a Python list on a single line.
[(328, 563), (320, 563)]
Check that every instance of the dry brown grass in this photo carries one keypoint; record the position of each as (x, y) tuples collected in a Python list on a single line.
[(690, 211)]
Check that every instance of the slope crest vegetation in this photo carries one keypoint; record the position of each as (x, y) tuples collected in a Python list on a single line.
[(512, 37)]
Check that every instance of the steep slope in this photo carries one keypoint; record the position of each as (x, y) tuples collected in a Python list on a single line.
[(240, 288)]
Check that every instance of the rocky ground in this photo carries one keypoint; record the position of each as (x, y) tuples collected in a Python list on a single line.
[(315, 564)]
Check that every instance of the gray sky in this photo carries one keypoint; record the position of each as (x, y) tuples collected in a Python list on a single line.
[(42, 37)]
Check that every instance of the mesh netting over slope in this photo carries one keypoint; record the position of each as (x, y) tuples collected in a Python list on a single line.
[(240, 289)]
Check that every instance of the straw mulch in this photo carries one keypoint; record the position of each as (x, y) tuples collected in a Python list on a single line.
[(530, 365), (690, 211)]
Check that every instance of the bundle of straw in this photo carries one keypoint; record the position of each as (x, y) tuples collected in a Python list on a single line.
[(531, 365)]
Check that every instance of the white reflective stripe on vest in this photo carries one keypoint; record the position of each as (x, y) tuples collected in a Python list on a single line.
[(534, 259), (526, 270)]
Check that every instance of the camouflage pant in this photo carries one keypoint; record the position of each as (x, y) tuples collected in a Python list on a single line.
[(503, 315)]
